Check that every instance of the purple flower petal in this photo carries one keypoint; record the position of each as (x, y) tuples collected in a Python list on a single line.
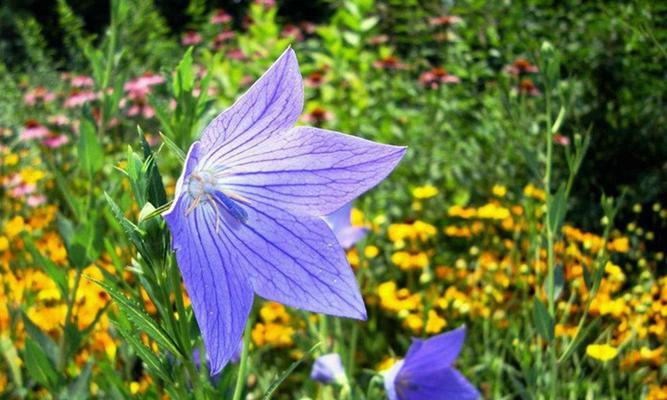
[(273, 103), (221, 298), (427, 371), (390, 380), (347, 234), (294, 260), (442, 384), (442, 349), (309, 170), (328, 368)]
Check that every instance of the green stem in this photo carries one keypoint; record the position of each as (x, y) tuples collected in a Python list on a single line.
[(243, 365), (62, 359), (550, 241)]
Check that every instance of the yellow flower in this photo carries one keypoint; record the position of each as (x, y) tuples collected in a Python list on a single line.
[(4, 243), (15, 226), (499, 190), (272, 311), (371, 251), (493, 211), (11, 159), (424, 192), (31, 175), (435, 323), (534, 192), (386, 364), (357, 217), (353, 257), (461, 212), (601, 352), (414, 322), (620, 245)]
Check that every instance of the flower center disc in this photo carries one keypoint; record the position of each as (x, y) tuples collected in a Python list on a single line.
[(201, 183)]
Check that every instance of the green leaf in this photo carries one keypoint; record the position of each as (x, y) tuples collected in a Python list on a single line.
[(133, 232), (12, 359), (91, 156), (352, 38), (45, 342), (38, 365), (61, 183), (153, 362), (274, 385), (139, 317), (78, 390), (368, 23), (184, 81), (559, 121), (579, 340), (85, 245), (557, 209), (150, 212), (544, 322), (173, 147), (156, 192)]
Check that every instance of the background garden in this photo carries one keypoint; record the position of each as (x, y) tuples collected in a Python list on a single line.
[(531, 205)]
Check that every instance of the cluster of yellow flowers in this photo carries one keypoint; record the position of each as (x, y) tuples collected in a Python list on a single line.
[(275, 328), (502, 268), (24, 284)]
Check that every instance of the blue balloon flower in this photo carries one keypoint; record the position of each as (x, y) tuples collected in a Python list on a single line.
[(247, 217), (427, 372)]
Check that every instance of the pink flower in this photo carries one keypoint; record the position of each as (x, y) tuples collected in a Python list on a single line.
[(22, 189), (191, 38), (266, 3), (58, 120), (379, 39), (55, 141), (317, 116), (40, 93), (526, 86), (236, 54), (293, 32), (561, 139), (314, 79), (308, 27), (77, 98), (36, 200), (33, 130), (446, 20), (437, 76), (521, 66), (389, 62), (81, 81), (222, 37), (221, 17), (138, 88)]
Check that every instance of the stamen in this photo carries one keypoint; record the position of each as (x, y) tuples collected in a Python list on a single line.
[(192, 205)]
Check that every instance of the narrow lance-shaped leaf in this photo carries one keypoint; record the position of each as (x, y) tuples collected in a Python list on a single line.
[(544, 322), (139, 317), (91, 156)]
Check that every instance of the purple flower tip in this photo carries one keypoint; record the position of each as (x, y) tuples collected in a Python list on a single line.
[(427, 372), (247, 215), (346, 234), (328, 369)]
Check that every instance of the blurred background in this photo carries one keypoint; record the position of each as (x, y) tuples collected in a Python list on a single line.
[(614, 54)]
